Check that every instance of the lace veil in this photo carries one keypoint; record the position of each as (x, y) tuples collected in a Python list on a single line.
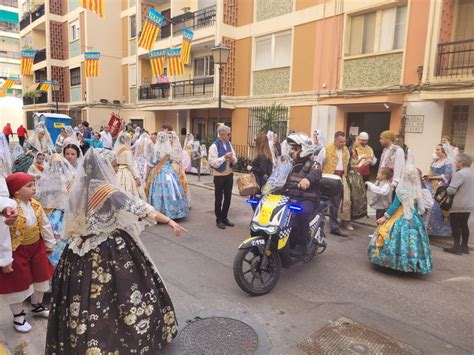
[(44, 142), (143, 147), (409, 190), (5, 157), (52, 188), (167, 143)]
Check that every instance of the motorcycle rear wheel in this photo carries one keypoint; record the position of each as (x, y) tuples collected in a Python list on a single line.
[(252, 279)]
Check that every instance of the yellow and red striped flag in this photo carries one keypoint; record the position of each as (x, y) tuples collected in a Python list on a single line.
[(3, 92), (7, 84), (91, 64), (175, 64), (186, 46), (96, 6), (157, 61), (150, 30), (26, 63), (46, 85)]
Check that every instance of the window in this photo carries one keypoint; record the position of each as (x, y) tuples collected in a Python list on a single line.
[(133, 26), (459, 121), (75, 76), (204, 66), (75, 31), (273, 51), (388, 25), (132, 75)]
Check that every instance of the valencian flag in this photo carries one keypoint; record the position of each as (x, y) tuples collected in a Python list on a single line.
[(157, 61), (8, 84), (96, 6), (46, 85), (186, 46), (91, 64), (26, 64), (175, 64), (150, 30)]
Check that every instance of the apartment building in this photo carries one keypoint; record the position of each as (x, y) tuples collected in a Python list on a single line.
[(404, 65), (10, 45), (61, 31)]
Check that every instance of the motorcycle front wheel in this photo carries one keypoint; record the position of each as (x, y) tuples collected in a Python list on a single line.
[(251, 277)]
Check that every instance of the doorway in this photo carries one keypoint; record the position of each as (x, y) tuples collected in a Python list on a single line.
[(373, 123)]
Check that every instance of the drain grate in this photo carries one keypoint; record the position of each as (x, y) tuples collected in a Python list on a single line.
[(217, 335), (345, 336)]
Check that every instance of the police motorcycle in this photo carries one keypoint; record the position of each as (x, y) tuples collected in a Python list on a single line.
[(258, 263)]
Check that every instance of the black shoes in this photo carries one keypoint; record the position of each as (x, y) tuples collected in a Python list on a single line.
[(453, 250), (339, 233), (465, 250), (220, 225), (228, 223)]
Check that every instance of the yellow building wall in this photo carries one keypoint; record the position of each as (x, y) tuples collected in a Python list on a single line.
[(244, 12), (243, 51), (240, 126), (124, 36), (303, 57), (303, 4), (300, 119), (125, 82)]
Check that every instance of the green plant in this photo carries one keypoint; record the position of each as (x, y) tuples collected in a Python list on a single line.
[(269, 118), (241, 165)]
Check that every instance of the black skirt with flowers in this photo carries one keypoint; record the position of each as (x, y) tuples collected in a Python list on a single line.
[(111, 300)]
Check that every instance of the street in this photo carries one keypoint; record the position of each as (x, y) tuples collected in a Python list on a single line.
[(433, 314)]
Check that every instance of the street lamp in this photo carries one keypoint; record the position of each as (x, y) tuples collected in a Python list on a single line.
[(55, 86), (220, 54)]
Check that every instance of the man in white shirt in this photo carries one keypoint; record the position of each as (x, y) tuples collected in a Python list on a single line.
[(106, 138), (222, 158), (392, 157)]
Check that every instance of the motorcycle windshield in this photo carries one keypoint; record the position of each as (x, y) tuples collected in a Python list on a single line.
[(278, 178)]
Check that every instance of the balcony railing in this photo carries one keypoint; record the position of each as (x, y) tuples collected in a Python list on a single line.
[(9, 55), (40, 56), (42, 98), (456, 59), (8, 27), (194, 20), (31, 17), (196, 87), (154, 91)]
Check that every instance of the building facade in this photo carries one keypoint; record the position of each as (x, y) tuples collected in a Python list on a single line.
[(404, 65), (10, 45)]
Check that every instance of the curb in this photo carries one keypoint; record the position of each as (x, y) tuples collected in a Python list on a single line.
[(200, 184)]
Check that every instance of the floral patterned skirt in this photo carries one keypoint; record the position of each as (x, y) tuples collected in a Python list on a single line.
[(111, 300)]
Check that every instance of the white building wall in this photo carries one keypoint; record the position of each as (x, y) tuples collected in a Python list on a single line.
[(423, 144), (324, 118)]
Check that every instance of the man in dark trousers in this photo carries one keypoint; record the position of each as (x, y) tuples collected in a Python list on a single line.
[(22, 134), (222, 158)]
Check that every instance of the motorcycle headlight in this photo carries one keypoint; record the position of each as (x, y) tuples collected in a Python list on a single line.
[(255, 227)]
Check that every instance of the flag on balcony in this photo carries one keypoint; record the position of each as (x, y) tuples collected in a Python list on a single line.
[(26, 62), (96, 6), (7, 84), (150, 30), (157, 61), (186, 46), (46, 85), (175, 64), (3, 92), (91, 64)]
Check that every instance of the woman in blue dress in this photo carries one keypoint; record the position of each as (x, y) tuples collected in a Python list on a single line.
[(440, 174), (401, 241), (164, 190)]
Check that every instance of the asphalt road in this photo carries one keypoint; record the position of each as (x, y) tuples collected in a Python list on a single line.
[(433, 314)]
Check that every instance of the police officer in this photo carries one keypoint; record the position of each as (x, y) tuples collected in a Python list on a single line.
[(303, 184)]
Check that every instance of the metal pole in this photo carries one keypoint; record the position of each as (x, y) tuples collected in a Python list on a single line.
[(57, 104), (199, 169), (220, 93)]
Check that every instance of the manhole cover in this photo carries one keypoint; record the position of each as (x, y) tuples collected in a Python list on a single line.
[(218, 335), (345, 336)]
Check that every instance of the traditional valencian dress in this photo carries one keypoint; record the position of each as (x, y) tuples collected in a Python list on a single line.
[(165, 191), (438, 224), (127, 169), (143, 153), (402, 243), (107, 296), (52, 192)]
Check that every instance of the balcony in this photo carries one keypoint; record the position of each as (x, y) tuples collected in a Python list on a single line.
[(456, 59), (32, 17), (196, 87), (10, 3), (9, 55), (194, 20), (8, 27), (36, 97), (40, 56), (154, 91)]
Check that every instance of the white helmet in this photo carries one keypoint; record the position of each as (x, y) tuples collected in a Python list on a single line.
[(302, 140)]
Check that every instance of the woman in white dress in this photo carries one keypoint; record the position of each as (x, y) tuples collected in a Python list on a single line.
[(127, 174), (143, 153)]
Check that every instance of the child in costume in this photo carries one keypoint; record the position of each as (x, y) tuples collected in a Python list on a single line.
[(37, 169), (30, 271)]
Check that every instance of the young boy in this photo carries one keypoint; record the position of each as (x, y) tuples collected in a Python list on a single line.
[(381, 192), (31, 236)]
